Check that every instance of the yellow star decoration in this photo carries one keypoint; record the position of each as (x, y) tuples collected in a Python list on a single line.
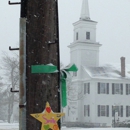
[(48, 118)]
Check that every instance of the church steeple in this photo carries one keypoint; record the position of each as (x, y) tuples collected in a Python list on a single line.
[(84, 49), (85, 11)]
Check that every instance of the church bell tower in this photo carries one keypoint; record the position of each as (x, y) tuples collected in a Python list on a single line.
[(84, 49)]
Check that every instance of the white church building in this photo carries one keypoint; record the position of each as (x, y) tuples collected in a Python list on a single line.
[(97, 94)]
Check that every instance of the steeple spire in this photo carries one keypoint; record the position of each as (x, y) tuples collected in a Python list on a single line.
[(85, 11)]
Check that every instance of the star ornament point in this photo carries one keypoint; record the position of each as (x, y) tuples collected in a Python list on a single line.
[(48, 118)]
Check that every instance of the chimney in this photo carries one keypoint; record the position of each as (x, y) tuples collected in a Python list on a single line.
[(123, 66)]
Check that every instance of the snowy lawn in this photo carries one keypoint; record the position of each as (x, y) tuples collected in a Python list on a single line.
[(15, 126), (7, 126), (96, 128)]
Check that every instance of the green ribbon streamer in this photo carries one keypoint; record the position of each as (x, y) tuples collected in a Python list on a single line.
[(53, 69), (44, 69), (64, 72), (63, 92)]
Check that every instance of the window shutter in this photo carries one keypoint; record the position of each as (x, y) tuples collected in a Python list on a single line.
[(107, 88), (113, 110), (98, 88), (88, 110), (126, 89), (84, 88), (113, 92), (121, 85), (98, 110), (88, 88), (107, 111), (84, 110), (127, 111), (121, 111), (68, 110)]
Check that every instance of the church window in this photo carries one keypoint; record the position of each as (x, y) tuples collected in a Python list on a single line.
[(127, 89), (118, 109), (86, 110), (103, 110), (127, 111), (117, 88), (103, 88), (74, 74), (88, 35), (77, 35), (63, 119), (86, 88)]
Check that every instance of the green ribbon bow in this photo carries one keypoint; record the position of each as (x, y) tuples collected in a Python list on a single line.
[(53, 69), (64, 73)]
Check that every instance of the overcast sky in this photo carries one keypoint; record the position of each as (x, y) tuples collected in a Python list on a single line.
[(113, 28)]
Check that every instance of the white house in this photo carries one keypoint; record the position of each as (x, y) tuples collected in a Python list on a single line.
[(97, 94)]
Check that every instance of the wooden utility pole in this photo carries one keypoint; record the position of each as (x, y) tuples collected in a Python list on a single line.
[(39, 44), (42, 47)]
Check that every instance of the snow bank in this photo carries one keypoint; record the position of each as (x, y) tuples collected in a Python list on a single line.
[(64, 128), (8, 126), (15, 126)]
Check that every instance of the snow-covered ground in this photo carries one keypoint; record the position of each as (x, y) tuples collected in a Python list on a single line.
[(7, 126), (15, 126), (96, 128)]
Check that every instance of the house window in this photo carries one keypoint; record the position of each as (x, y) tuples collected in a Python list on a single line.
[(103, 110), (88, 35), (86, 110), (74, 74), (63, 118), (86, 88), (118, 109), (103, 88), (77, 35), (127, 89), (117, 88), (127, 111)]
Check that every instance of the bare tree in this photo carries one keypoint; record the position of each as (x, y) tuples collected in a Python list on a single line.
[(2, 116), (10, 67)]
